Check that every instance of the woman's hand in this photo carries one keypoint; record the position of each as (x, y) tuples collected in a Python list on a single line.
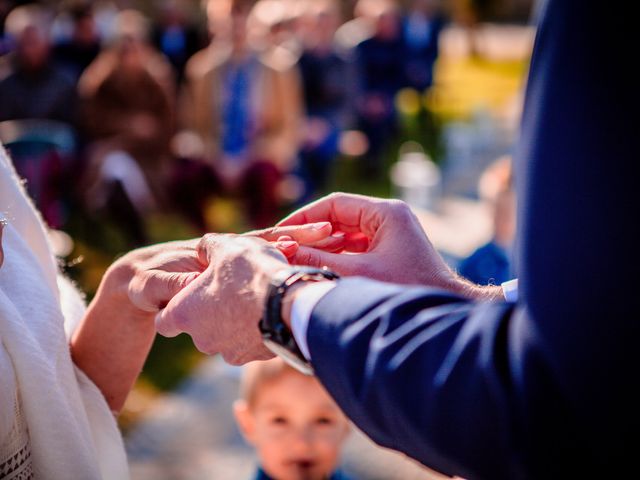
[(151, 276), (117, 331)]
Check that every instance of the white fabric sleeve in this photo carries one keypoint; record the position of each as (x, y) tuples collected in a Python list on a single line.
[(510, 290), (303, 305)]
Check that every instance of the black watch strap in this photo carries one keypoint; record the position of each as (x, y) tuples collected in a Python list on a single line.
[(275, 333)]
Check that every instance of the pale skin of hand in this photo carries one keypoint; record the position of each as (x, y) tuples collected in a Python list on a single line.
[(222, 307), (117, 331)]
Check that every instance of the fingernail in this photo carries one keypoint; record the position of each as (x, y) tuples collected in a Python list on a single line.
[(338, 235), (320, 225), (286, 245)]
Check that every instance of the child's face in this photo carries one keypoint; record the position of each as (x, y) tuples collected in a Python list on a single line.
[(296, 428)]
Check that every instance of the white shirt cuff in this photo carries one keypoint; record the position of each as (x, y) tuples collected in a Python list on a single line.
[(510, 290), (303, 305)]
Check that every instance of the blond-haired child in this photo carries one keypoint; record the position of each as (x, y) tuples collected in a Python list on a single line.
[(296, 428)]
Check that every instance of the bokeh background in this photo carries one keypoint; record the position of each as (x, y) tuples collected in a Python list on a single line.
[(136, 122)]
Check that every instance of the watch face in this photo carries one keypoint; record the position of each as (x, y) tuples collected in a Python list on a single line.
[(289, 357)]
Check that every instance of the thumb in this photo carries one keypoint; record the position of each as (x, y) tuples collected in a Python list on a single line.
[(154, 292), (343, 264)]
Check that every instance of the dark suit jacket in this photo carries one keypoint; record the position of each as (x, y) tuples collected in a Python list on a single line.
[(547, 387)]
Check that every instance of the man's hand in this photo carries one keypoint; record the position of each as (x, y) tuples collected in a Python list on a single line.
[(382, 239), (221, 308)]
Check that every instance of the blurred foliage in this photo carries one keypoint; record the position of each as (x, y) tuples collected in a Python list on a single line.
[(170, 361), (465, 84)]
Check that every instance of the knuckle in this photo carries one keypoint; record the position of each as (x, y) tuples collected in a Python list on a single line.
[(305, 257), (233, 359), (272, 232), (337, 196), (276, 232), (399, 209), (207, 346), (176, 282), (178, 318), (397, 205), (138, 290), (209, 236), (315, 261), (207, 239)]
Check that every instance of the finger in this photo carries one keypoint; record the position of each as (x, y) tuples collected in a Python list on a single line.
[(165, 328), (173, 319), (175, 261), (312, 257), (334, 243), (288, 248), (155, 288), (343, 242), (303, 234), (212, 243), (346, 212), (356, 243)]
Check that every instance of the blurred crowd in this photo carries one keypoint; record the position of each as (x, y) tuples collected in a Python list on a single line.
[(122, 114)]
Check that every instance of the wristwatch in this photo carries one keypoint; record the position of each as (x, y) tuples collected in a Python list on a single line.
[(276, 336)]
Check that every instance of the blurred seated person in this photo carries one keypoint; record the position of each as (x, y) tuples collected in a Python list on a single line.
[(35, 88), (275, 24), (35, 92), (128, 114), (5, 8), (326, 80), (295, 426), (380, 65), (245, 108), (175, 37), (76, 54), (491, 263), (421, 30)]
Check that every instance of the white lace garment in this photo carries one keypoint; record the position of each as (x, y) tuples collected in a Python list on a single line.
[(15, 451), (54, 422)]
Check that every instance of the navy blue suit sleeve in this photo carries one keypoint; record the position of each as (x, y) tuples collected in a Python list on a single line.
[(401, 362), (547, 387)]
